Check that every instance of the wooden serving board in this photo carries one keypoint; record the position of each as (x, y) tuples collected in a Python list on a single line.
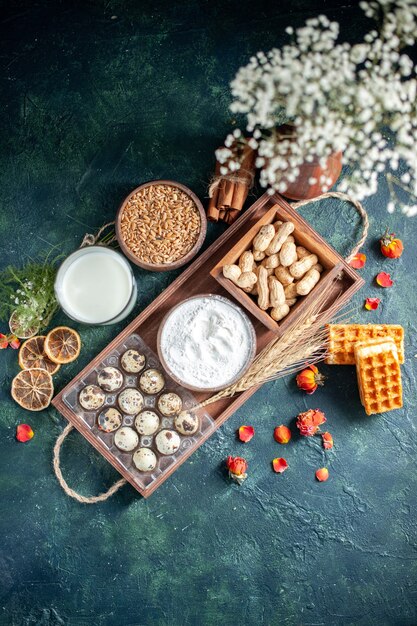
[(195, 280)]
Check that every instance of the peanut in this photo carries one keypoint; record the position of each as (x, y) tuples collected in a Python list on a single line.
[(254, 289), (276, 292), (263, 290), (309, 280), (246, 280), (291, 301), (282, 233), (302, 252), (291, 291), (278, 313), (270, 270), (271, 261), (246, 261), (317, 267), (232, 272), (288, 254), (277, 224), (290, 239), (283, 276), (258, 255), (264, 237), (299, 268)]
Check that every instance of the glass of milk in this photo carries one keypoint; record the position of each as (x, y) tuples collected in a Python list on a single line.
[(95, 285)]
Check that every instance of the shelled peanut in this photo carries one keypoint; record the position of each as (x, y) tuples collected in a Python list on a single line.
[(276, 271)]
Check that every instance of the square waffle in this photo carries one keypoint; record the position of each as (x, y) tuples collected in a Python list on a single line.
[(379, 375), (342, 339)]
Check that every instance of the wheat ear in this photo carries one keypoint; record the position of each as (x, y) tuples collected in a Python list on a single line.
[(305, 342)]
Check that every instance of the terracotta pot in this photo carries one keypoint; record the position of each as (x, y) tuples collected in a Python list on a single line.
[(301, 189)]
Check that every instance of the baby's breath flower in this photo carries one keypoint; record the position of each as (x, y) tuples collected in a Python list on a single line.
[(359, 100)]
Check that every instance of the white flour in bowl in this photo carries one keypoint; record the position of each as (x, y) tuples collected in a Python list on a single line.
[(207, 342)]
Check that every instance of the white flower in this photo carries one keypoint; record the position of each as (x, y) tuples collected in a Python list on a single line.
[(341, 98)]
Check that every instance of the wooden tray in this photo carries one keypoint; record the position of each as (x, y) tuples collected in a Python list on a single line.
[(196, 279), (305, 236)]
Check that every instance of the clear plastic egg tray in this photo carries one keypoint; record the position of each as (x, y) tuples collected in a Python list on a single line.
[(165, 464)]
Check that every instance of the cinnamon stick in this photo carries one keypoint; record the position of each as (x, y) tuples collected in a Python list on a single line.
[(230, 192), (212, 210), (241, 189), (231, 216), (226, 194)]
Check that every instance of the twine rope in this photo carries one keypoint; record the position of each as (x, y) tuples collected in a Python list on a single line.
[(92, 240), (358, 206), (70, 492), (88, 240)]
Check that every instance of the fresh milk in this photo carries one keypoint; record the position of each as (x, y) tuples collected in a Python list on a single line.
[(95, 285)]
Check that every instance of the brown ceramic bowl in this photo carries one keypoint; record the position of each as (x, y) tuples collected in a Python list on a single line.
[(163, 267)]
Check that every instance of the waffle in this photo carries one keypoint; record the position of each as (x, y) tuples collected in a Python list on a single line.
[(379, 375), (342, 339)]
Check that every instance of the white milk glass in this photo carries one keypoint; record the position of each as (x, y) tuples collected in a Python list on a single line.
[(95, 285)]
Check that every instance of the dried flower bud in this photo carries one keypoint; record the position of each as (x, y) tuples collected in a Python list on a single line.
[(237, 467), (309, 379), (391, 246), (309, 422)]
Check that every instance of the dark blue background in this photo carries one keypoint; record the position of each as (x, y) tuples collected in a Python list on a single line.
[(97, 97)]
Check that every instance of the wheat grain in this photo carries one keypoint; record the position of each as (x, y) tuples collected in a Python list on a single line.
[(160, 224)]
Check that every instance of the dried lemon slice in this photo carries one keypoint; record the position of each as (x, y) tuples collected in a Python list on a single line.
[(32, 355), (33, 389), (62, 344), (17, 328)]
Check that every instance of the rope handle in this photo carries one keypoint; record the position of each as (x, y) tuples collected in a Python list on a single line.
[(70, 492), (94, 240), (68, 428), (358, 207)]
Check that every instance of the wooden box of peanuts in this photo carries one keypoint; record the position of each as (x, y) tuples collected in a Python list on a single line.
[(279, 265)]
